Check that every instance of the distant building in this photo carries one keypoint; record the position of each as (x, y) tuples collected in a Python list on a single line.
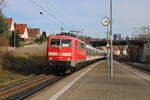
[(10, 24), (22, 30), (116, 50), (125, 51), (34, 33)]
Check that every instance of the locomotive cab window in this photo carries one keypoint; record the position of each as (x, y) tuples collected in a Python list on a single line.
[(61, 42), (66, 42), (55, 42)]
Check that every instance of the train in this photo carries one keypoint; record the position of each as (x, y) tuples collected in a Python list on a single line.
[(66, 54)]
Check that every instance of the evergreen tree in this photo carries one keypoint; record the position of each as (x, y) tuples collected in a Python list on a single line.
[(3, 26), (15, 40), (44, 37)]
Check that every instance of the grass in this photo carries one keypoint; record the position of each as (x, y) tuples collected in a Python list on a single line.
[(7, 77), (26, 44), (27, 63), (17, 66)]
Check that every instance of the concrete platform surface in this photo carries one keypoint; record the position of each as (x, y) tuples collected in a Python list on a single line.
[(97, 85), (94, 83)]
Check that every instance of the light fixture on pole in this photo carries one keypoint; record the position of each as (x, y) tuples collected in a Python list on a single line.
[(105, 22)]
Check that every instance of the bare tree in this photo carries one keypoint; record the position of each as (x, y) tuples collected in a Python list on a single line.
[(2, 4), (143, 32)]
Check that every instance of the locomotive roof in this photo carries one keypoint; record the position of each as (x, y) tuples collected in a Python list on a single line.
[(66, 37), (70, 37)]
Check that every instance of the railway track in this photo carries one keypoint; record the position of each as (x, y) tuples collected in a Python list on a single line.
[(33, 77), (26, 89), (138, 67)]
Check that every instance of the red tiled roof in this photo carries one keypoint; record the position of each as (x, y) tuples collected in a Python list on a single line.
[(116, 48), (33, 32), (9, 21), (20, 28)]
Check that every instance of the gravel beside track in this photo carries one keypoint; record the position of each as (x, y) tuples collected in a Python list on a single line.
[(26, 89), (33, 77)]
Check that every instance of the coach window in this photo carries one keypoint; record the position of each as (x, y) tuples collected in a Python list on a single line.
[(55, 42), (81, 45), (66, 42)]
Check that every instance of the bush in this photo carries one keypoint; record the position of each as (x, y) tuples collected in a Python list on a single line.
[(15, 40), (42, 38), (4, 41), (4, 30), (3, 45), (23, 63)]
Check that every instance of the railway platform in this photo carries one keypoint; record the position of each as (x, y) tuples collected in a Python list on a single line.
[(95, 83)]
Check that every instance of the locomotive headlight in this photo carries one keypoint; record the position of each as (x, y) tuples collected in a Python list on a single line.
[(68, 59), (50, 58)]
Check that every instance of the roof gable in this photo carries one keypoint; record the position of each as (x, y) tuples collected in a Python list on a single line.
[(9, 22), (20, 28), (116, 48), (33, 32)]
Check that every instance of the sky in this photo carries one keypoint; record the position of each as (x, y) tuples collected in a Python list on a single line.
[(82, 15)]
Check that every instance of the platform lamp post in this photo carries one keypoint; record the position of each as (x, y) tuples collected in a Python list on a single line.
[(111, 41), (108, 47), (105, 22)]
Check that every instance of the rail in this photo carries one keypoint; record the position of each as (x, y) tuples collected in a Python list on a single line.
[(21, 91)]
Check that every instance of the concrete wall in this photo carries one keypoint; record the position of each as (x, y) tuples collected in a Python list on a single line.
[(140, 52), (147, 52)]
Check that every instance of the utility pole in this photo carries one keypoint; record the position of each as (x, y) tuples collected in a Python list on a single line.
[(105, 22), (108, 50), (111, 42), (14, 39), (148, 32)]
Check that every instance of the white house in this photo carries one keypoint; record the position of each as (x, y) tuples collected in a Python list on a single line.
[(22, 31), (116, 50), (10, 24), (34, 33)]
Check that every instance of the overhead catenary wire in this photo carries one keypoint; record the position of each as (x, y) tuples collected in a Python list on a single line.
[(53, 8), (50, 14)]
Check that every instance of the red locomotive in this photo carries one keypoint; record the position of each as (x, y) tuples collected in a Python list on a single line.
[(67, 54)]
